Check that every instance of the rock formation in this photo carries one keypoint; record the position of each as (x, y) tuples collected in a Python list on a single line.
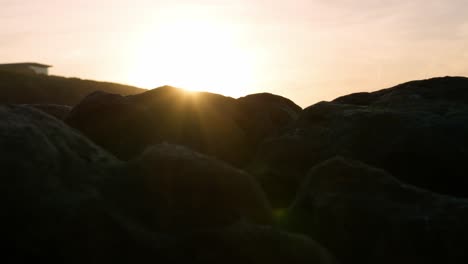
[(220, 126), (416, 131), (364, 215)]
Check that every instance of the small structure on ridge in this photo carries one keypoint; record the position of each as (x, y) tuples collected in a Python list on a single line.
[(26, 67)]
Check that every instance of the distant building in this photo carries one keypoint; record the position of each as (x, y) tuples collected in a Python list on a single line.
[(26, 67)]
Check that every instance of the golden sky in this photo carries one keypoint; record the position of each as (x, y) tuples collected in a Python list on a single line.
[(307, 51)]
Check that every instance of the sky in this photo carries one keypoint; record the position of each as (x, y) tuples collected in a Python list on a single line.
[(308, 51)]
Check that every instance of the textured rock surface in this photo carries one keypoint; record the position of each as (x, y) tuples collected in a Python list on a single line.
[(49, 190), (265, 115), (243, 243), (209, 123), (65, 200), (364, 215), (416, 131), (171, 188), (58, 111), (428, 94), (127, 125)]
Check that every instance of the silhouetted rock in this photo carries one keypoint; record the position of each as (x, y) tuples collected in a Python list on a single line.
[(421, 141), (57, 111), (50, 200), (171, 188), (65, 200), (18, 88), (265, 115), (209, 123), (127, 125), (248, 244), (364, 215), (415, 94)]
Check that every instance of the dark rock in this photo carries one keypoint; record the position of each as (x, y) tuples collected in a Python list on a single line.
[(127, 125), (415, 95), (58, 111), (209, 123), (52, 208), (265, 115), (173, 189), (408, 130), (364, 215), (65, 200), (248, 244)]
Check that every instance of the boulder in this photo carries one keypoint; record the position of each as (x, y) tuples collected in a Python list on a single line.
[(65, 200), (209, 123), (417, 132), (364, 215), (244, 243), (50, 191), (58, 111), (127, 125), (414, 95), (265, 115), (170, 188)]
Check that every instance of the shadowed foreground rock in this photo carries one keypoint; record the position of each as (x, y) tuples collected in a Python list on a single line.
[(265, 115), (58, 111), (50, 200), (127, 125), (416, 131), (247, 244), (59, 206), (66, 200), (364, 215), (171, 188), (209, 123)]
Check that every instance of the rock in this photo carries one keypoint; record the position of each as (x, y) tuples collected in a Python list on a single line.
[(243, 243), (127, 125), (414, 94), (50, 196), (417, 132), (364, 215), (65, 200), (265, 115), (174, 189), (58, 111), (209, 123)]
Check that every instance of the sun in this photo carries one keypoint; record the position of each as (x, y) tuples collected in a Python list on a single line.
[(195, 52)]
